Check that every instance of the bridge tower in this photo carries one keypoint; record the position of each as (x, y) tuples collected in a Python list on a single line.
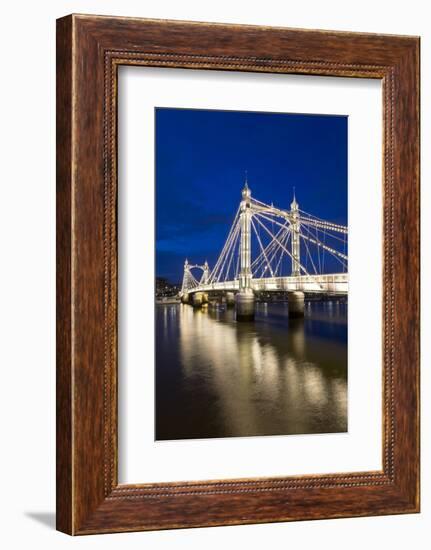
[(206, 273), (296, 255), (186, 277), (296, 298), (245, 243), (185, 285), (245, 296)]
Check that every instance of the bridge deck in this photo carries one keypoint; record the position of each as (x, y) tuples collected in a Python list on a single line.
[(337, 283)]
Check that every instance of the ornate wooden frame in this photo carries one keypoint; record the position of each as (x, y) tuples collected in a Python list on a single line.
[(89, 51)]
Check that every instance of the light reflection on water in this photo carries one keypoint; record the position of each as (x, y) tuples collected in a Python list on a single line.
[(219, 378)]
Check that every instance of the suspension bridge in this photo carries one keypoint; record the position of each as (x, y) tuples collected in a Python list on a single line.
[(270, 249)]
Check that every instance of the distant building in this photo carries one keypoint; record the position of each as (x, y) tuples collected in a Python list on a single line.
[(165, 289)]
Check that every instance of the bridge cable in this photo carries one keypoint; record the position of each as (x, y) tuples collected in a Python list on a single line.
[(285, 249)]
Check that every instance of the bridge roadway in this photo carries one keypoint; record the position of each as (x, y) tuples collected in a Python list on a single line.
[(336, 283)]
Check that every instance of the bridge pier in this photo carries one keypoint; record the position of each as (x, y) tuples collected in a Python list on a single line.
[(185, 298), (245, 306), (295, 302), (230, 299), (197, 299)]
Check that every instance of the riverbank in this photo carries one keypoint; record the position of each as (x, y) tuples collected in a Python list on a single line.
[(168, 300)]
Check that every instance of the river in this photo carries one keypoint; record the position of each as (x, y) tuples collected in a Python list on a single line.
[(219, 378)]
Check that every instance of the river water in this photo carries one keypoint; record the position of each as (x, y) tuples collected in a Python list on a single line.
[(275, 376)]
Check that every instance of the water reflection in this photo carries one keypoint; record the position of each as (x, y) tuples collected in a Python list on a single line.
[(219, 378)]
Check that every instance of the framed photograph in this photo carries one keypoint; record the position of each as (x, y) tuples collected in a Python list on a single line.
[(237, 274)]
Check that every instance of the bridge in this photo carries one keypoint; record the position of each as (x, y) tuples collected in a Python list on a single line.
[(294, 252)]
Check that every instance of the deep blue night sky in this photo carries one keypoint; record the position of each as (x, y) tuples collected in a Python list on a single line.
[(201, 160)]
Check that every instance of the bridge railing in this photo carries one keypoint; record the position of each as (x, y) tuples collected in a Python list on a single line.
[(222, 286), (336, 283), (333, 283)]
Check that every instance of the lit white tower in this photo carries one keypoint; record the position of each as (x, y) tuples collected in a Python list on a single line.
[(245, 296), (186, 277), (296, 258), (245, 247), (206, 273)]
